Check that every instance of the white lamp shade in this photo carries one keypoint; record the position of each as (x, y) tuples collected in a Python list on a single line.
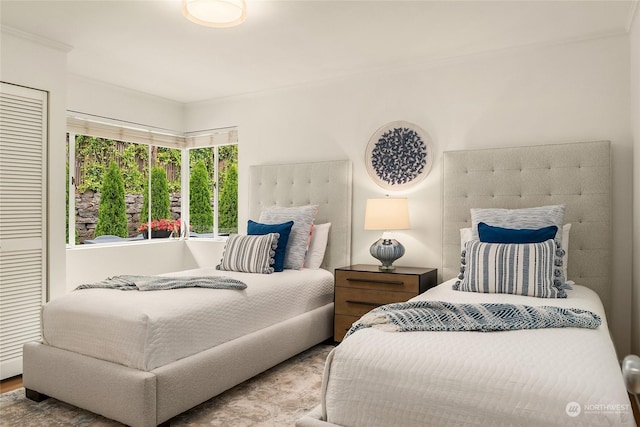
[(215, 13), (387, 214)]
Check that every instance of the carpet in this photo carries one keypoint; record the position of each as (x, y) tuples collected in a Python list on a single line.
[(277, 397)]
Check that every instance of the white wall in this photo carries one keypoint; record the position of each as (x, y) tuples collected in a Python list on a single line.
[(203, 253), (42, 65), (635, 122), (93, 263), (570, 92), (106, 100), (86, 264)]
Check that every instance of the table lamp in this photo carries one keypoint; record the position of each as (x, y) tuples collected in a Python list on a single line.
[(387, 214)]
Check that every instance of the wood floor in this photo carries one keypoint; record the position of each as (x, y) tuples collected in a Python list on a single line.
[(14, 383), (10, 384)]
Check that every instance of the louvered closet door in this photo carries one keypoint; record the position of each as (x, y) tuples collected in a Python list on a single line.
[(23, 136)]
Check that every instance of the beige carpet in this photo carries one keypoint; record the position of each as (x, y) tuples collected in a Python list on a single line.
[(276, 397)]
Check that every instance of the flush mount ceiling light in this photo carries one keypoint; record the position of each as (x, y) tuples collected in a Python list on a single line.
[(215, 13)]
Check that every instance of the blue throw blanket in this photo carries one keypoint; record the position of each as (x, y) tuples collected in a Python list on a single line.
[(158, 283), (445, 316)]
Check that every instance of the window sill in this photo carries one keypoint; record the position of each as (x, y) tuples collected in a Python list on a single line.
[(157, 241), (121, 244)]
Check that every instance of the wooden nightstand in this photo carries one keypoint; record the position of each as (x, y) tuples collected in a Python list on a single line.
[(360, 288)]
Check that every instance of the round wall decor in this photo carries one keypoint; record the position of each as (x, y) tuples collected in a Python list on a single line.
[(399, 155)]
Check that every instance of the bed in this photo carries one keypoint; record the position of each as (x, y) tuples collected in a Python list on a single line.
[(161, 356), (537, 377)]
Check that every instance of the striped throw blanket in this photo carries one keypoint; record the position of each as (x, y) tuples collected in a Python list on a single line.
[(445, 316), (158, 283)]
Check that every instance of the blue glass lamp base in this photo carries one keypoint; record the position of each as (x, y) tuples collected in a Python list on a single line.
[(386, 251)]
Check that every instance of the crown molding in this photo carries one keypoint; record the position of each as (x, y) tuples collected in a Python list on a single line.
[(36, 38)]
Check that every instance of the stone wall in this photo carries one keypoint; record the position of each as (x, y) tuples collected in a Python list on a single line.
[(87, 205)]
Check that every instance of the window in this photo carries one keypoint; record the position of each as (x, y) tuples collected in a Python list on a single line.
[(124, 187), (213, 182)]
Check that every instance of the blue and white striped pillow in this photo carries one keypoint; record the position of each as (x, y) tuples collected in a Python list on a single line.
[(249, 254), (521, 269)]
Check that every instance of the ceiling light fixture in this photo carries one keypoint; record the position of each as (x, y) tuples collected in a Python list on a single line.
[(215, 13)]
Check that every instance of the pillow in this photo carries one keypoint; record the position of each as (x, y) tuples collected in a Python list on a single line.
[(318, 246), (505, 268), (284, 229), (565, 246), (249, 254), (302, 217), (465, 236), (538, 217), (491, 234)]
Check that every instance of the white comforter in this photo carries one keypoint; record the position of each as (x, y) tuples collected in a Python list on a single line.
[(530, 377), (145, 330)]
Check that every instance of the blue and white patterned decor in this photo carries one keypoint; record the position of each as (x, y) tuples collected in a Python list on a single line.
[(399, 155)]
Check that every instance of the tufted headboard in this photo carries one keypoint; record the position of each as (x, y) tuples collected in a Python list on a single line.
[(327, 184), (577, 175)]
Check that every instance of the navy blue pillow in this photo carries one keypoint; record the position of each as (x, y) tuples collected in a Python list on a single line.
[(284, 229), (491, 234)]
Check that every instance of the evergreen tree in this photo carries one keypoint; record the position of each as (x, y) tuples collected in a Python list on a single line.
[(228, 203), (200, 212), (112, 213), (160, 200)]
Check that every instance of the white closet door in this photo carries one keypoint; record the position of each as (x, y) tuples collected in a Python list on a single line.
[(23, 220)]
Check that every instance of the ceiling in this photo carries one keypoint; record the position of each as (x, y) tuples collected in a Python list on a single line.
[(150, 47)]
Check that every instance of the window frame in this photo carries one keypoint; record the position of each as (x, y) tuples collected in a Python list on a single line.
[(212, 138)]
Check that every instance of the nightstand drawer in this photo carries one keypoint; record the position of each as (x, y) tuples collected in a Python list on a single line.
[(356, 302), (379, 281), (342, 324)]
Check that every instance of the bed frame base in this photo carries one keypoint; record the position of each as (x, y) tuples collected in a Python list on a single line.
[(34, 395), (148, 399)]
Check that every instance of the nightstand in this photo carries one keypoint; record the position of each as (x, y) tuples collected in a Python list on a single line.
[(360, 288)]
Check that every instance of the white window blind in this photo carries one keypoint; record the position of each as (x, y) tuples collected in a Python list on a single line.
[(23, 161), (102, 127), (120, 132), (214, 137)]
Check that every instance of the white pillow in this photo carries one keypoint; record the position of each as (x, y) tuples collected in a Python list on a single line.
[(302, 217), (466, 234), (318, 246)]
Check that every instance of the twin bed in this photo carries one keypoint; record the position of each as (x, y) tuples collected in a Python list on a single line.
[(532, 377), (566, 376), (142, 358)]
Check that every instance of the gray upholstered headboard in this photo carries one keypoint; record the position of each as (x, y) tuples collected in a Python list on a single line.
[(577, 175), (327, 184)]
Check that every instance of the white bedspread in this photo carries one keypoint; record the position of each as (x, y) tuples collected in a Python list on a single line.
[(145, 330), (528, 377)]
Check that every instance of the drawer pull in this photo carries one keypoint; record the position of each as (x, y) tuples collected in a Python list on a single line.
[(384, 282), (362, 302)]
